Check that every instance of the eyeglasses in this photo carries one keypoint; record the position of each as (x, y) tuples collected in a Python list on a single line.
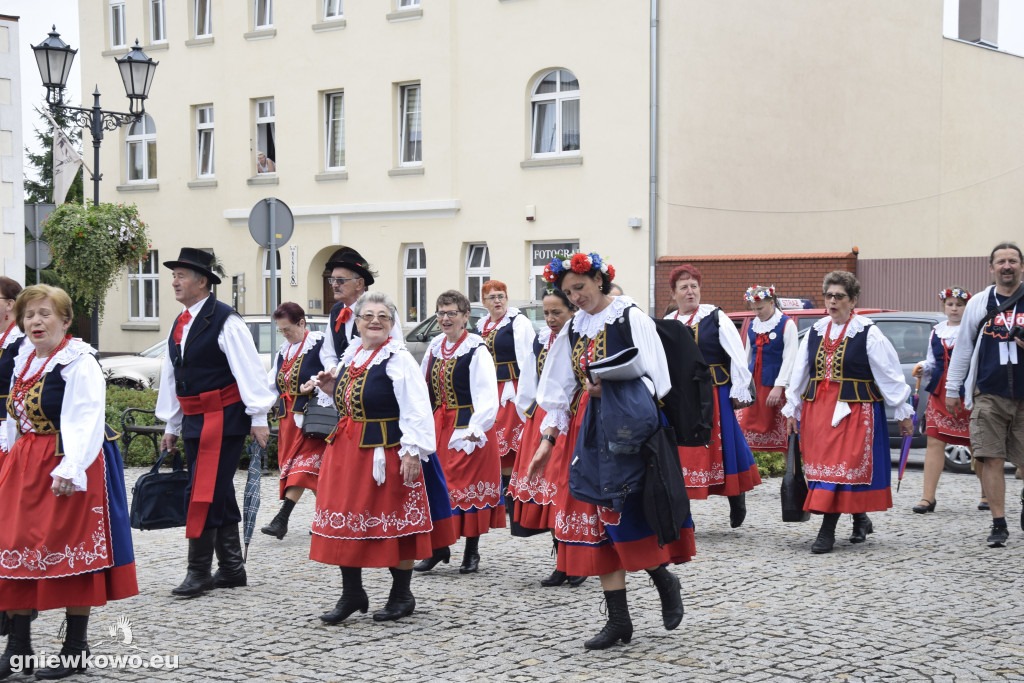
[(495, 297), (449, 314), (830, 296), (370, 317), (341, 280)]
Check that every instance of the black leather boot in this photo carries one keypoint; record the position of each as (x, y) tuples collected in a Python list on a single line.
[(200, 560), (826, 534), (470, 556), (401, 601), (19, 644), (75, 645), (510, 505), (230, 565), (618, 627), (279, 525), (440, 555), (557, 577), (668, 587), (737, 510), (353, 597), (861, 527)]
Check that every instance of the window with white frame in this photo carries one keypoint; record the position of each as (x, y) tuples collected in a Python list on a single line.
[(334, 137), (478, 269), (140, 148), (144, 288), (202, 20), (263, 13), (411, 143), (157, 22), (204, 141), (265, 134), (541, 254), (404, 4), (332, 9), (556, 114), (117, 30), (415, 276), (266, 280)]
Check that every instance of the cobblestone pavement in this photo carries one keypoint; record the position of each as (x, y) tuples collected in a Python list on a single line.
[(923, 599)]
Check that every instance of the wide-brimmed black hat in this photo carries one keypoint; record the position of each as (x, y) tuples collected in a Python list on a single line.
[(198, 260), (351, 259)]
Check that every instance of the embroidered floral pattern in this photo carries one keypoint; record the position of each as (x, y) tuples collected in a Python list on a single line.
[(946, 424), (857, 470), (538, 489), (413, 517), (303, 463), (580, 527), (704, 478), (41, 562), (479, 495), (505, 445)]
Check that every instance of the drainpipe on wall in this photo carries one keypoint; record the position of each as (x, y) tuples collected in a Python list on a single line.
[(652, 209)]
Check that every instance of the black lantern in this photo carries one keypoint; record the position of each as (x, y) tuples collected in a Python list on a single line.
[(137, 72), (54, 58)]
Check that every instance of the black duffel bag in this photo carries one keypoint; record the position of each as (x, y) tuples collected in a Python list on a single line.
[(158, 498), (666, 505), (794, 489)]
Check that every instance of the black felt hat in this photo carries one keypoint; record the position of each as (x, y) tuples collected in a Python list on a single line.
[(350, 259), (198, 260)]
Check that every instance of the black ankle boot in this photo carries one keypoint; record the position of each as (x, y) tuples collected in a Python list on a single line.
[(510, 506), (19, 644), (861, 527), (618, 627), (200, 560), (557, 577), (230, 565), (737, 510), (75, 646), (400, 602), (279, 525), (440, 555), (668, 587), (353, 597), (470, 556), (826, 534)]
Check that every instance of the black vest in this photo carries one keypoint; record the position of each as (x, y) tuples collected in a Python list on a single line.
[(306, 366)]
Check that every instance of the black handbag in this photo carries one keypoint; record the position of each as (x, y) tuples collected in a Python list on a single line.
[(794, 488), (158, 498), (665, 503), (319, 421)]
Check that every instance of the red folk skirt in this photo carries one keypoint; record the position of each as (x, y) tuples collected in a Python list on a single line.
[(535, 498), (943, 425), (298, 456), (359, 523), (508, 429), (725, 467), (764, 426), (474, 480), (57, 551)]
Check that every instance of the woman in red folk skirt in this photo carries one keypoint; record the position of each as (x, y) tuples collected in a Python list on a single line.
[(942, 427), (65, 541), (772, 340), (535, 496), (299, 456), (373, 506), (464, 394)]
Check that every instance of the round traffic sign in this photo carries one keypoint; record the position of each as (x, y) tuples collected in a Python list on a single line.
[(45, 255), (259, 222)]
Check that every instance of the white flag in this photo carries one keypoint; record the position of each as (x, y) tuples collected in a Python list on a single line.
[(65, 163)]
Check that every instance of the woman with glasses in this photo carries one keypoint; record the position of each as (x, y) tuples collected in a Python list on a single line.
[(464, 395), (509, 337), (845, 372), (725, 467), (378, 480), (298, 455)]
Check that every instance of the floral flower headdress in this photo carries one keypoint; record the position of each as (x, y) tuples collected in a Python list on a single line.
[(957, 292), (577, 263), (759, 293)]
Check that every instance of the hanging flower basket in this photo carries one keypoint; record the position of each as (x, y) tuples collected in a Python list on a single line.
[(93, 245)]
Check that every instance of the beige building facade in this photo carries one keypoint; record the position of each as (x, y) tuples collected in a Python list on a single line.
[(12, 202), (451, 141)]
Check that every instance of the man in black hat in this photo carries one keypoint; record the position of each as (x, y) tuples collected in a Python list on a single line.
[(213, 390)]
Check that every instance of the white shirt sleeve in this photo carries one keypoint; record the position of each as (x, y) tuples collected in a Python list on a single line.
[(272, 376), (798, 379), (556, 384), (791, 342), (483, 382), (328, 355), (527, 391), (928, 364), (235, 341), (82, 416), (415, 417), (523, 334), (652, 353), (963, 362), (167, 407), (888, 373), (731, 343)]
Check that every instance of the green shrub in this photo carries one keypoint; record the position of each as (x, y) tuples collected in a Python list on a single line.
[(770, 464)]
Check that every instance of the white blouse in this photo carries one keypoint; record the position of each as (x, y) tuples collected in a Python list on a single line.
[(948, 334), (528, 377), (483, 383), (790, 343), (15, 335), (522, 335), (288, 350), (729, 339)]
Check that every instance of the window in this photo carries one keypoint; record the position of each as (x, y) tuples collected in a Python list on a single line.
[(266, 280), (478, 269), (556, 114), (204, 141), (332, 9), (144, 288), (405, 4), (263, 13), (203, 20), (157, 22), (334, 103), (412, 136), (141, 150), (541, 254), (979, 22), (415, 275), (265, 136), (117, 31)]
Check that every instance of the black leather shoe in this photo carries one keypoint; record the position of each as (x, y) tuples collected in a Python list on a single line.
[(669, 591), (230, 565), (440, 555), (347, 605), (823, 543), (861, 527), (19, 644), (576, 580), (278, 527), (75, 643), (470, 563), (997, 537), (983, 505), (557, 578), (395, 609), (618, 627), (737, 510), (928, 506)]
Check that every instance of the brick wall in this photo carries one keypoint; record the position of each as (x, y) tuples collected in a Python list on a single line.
[(725, 278)]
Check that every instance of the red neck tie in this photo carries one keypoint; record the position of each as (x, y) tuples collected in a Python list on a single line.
[(343, 317), (179, 327)]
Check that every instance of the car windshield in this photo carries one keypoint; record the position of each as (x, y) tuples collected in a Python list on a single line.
[(261, 333), (908, 337), (156, 350)]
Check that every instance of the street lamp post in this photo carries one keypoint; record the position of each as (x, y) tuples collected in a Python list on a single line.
[(54, 58)]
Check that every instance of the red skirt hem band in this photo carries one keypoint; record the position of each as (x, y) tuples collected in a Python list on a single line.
[(597, 560), (378, 552), (822, 501), (734, 485), (80, 590)]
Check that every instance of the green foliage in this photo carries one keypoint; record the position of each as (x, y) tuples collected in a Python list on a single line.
[(770, 464), (41, 191), (93, 245)]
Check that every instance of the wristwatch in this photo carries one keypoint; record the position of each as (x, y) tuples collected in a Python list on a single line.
[(548, 437)]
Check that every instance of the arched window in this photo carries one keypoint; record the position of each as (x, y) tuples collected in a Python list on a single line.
[(140, 146), (556, 114)]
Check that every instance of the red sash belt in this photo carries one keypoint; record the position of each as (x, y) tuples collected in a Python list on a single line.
[(209, 404)]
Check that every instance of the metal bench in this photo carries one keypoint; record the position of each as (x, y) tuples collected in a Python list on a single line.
[(130, 429)]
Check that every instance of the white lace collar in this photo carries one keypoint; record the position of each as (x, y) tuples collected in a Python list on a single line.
[(543, 335), (309, 342), (510, 313), (702, 312), (589, 325), (946, 331), (471, 342), (14, 336), (75, 348), (765, 326), (857, 325), (355, 352)]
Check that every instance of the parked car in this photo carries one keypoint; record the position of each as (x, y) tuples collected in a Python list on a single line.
[(804, 317), (419, 337)]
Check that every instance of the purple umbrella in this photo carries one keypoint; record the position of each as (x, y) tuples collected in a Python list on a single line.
[(907, 439)]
